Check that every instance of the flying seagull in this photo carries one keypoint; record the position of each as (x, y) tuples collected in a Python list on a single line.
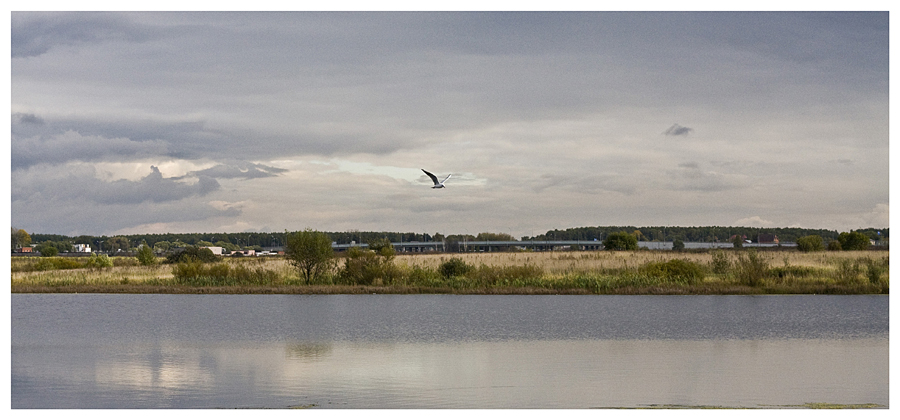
[(434, 178)]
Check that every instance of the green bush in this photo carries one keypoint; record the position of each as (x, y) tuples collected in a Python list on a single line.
[(676, 270), (720, 263), (810, 243), (99, 261), (853, 241), (847, 271), (454, 267), (192, 253), (510, 275), (751, 269), (620, 241), (874, 269), (366, 267), (145, 255), (834, 246)]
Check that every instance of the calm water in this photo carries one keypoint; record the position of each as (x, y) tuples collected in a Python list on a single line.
[(423, 351)]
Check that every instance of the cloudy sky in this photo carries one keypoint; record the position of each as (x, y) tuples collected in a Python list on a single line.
[(227, 122)]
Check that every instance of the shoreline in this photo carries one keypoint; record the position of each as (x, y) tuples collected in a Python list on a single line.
[(696, 290)]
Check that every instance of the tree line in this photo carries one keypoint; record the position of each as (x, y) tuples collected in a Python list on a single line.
[(699, 233), (259, 240)]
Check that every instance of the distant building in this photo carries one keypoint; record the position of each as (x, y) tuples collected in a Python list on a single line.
[(25, 249), (82, 247), (217, 250), (767, 238)]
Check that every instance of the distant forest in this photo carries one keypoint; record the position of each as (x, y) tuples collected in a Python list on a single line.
[(250, 240)]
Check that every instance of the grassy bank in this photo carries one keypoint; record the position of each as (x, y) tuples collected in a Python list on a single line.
[(602, 272)]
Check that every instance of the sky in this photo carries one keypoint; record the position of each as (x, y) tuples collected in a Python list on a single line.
[(156, 122)]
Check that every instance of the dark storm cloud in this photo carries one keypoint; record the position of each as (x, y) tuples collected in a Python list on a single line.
[(35, 34), (71, 146), (70, 186), (677, 130)]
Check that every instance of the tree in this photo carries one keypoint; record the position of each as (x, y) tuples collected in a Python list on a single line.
[(145, 255), (310, 251), (853, 241), (678, 245), (118, 243), (738, 241), (20, 238), (834, 245), (620, 241), (810, 243)]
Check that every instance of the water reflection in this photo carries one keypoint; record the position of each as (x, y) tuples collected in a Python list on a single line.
[(510, 374), (445, 351)]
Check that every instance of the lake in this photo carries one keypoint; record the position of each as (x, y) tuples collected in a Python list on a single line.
[(446, 351)]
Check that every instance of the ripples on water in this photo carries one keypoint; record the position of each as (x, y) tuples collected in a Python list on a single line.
[(427, 351)]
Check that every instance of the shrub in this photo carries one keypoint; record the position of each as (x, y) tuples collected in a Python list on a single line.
[(874, 270), (810, 243), (99, 261), (367, 267), (145, 255), (49, 251), (454, 267), (678, 245), (620, 241), (676, 270), (751, 268), (834, 246), (851, 241), (192, 253), (720, 263)]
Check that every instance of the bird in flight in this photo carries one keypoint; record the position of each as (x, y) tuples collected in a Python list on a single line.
[(434, 178)]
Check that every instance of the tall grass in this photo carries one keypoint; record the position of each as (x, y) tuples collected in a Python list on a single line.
[(718, 271)]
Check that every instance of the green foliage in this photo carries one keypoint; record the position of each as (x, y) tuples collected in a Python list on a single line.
[(751, 269), (738, 241), (676, 270), (367, 267), (145, 255), (853, 241), (834, 246), (48, 251), (875, 269), (195, 273), (620, 241), (847, 271), (678, 245), (810, 243), (20, 238), (117, 243), (454, 267), (383, 248), (310, 252), (720, 263), (99, 261), (192, 253)]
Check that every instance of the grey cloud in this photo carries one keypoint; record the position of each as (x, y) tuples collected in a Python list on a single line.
[(72, 146), (690, 177), (678, 130), (34, 34), (28, 119), (152, 188), (239, 169)]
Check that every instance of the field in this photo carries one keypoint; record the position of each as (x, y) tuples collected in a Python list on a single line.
[(578, 272)]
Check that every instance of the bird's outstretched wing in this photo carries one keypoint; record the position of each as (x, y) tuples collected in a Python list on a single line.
[(431, 175), (445, 179)]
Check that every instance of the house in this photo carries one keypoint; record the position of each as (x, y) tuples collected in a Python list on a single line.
[(767, 238), (25, 249), (217, 250), (82, 247)]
